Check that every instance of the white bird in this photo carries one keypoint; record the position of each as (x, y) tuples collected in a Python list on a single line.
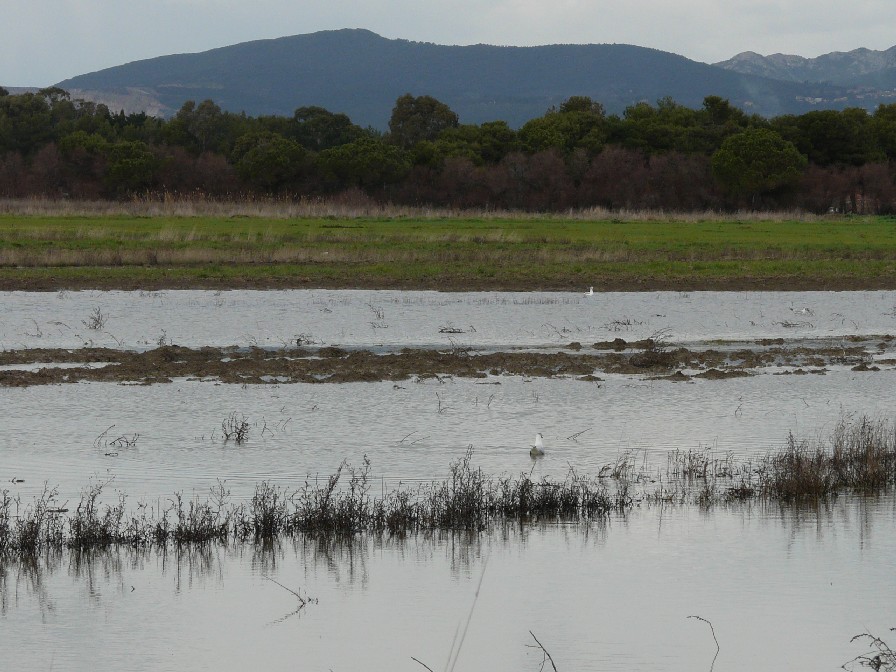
[(590, 292), (538, 449)]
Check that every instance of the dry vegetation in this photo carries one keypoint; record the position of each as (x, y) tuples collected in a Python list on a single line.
[(858, 457), (352, 205)]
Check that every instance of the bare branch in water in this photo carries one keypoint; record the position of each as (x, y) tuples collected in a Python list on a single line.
[(575, 436), (544, 651), (713, 630), (422, 663)]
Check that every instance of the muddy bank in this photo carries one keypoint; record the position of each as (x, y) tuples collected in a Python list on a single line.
[(335, 365), (48, 283)]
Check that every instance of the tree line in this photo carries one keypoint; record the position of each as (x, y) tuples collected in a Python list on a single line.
[(654, 156)]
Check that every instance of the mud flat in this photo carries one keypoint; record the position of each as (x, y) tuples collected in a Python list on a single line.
[(647, 357)]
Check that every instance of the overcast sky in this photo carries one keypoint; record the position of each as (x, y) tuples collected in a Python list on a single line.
[(45, 41)]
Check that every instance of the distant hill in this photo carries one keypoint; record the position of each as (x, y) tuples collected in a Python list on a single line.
[(848, 69), (362, 74)]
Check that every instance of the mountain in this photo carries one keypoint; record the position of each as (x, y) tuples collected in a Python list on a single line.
[(362, 74), (847, 69)]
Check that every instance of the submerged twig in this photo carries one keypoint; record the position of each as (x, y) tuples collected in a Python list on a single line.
[(713, 630), (575, 436), (302, 600), (547, 655), (422, 663), (469, 618), (299, 597)]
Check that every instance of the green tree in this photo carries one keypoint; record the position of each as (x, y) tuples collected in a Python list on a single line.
[(666, 127), (317, 128), (203, 127), (578, 123), (883, 125), (832, 138), (366, 162), (131, 167), (755, 162), (268, 161), (417, 119), (484, 144), (716, 120), (26, 123)]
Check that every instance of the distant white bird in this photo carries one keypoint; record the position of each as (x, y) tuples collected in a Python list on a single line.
[(590, 292), (538, 449)]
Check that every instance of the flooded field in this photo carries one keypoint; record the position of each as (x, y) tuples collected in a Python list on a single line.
[(397, 319), (784, 587)]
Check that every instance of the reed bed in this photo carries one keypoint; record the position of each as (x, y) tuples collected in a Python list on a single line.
[(349, 205), (859, 457), (341, 505)]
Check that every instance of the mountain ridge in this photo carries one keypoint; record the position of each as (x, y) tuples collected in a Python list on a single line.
[(361, 74), (837, 67)]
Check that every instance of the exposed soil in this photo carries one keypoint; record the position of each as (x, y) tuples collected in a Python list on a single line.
[(454, 284), (335, 365)]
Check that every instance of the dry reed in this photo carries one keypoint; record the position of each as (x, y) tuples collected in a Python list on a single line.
[(859, 456), (348, 206)]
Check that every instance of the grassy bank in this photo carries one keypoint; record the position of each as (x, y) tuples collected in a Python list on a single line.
[(159, 247)]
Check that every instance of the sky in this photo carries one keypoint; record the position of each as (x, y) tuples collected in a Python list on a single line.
[(43, 42)]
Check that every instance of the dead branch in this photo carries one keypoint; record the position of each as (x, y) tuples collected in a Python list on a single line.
[(544, 651)]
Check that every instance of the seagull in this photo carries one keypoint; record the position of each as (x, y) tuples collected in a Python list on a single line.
[(538, 449), (590, 292)]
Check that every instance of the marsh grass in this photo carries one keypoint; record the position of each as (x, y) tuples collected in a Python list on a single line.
[(859, 456), (30, 528), (344, 206), (93, 525), (176, 242)]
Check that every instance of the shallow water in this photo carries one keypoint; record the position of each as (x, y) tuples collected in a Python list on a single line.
[(783, 588), (139, 320), (52, 433)]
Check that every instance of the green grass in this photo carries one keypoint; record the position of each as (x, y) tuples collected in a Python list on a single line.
[(524, 252)]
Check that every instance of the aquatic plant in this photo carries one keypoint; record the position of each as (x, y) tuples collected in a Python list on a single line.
[(235, 428), (859, 456), (92, 525), (96, 320), (36, 526), (880, 658), (268, 513)]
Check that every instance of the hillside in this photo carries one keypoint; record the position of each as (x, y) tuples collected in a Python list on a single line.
[(850, 68), (361, 74)]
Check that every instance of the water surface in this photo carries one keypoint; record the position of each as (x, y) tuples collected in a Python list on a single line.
[(784, 587)]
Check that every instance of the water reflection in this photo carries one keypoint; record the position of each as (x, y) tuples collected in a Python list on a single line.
[(784, 586), (766, 576)]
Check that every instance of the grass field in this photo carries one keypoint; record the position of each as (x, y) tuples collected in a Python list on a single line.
[(154, 247)]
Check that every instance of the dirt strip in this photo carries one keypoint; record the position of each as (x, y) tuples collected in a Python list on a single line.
[(643, 284), (335, 365)]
